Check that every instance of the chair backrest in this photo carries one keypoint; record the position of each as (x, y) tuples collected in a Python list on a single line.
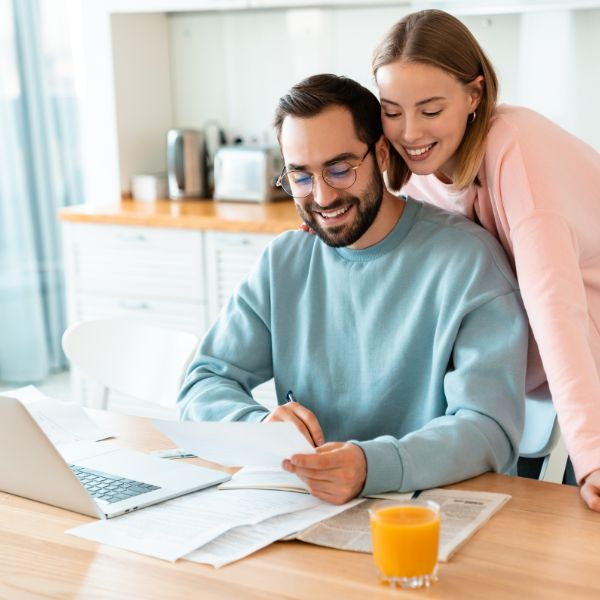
[(541, 432), (542, 437), (131, 356)]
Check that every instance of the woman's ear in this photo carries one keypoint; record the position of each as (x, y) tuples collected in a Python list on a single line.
[(382, 153), (475, 90)]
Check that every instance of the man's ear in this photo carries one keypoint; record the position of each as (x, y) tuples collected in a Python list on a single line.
[(382, 153)]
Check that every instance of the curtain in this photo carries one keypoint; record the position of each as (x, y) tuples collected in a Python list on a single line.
[(39, 174)]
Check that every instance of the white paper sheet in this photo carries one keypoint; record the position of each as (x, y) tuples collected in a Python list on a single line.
[(177, 527), (237, 444), (62, 422), (242, 541)]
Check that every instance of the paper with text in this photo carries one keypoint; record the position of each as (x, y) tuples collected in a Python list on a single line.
[(177, 527), (462, 513), (242, 541), (237, 444)]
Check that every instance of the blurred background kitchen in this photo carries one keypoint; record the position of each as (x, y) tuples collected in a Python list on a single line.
[(89, 90)]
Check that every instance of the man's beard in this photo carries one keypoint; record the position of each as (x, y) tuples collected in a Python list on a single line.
[(366, 211)]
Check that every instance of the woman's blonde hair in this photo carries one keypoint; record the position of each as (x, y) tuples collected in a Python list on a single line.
[(434, 37)]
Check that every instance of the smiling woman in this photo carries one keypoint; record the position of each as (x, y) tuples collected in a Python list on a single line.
[(39, 173), (530, 183)]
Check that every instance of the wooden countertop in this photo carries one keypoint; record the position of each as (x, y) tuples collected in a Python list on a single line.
[(250, 217)]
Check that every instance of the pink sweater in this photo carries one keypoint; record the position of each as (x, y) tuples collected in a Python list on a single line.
[(540, 196)]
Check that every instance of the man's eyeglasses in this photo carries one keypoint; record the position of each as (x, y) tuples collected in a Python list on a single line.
[(340, 176)]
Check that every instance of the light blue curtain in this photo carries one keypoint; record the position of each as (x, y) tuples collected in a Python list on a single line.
[(39, 174)]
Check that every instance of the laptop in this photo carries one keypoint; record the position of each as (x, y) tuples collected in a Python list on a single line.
[(95, 479)]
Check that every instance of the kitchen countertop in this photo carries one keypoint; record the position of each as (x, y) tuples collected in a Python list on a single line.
[(248, 217)]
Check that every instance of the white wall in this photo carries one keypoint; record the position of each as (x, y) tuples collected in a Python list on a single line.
[(547, 60), (233, 66), (142, 76)]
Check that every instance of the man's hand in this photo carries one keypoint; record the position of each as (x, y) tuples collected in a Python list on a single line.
[(590, 490), (336, 473), (304, 419)]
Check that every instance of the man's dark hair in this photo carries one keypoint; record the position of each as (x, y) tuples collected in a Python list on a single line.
[(316, 93)]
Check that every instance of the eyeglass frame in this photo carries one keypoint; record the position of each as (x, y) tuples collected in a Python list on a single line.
[(354, 168)]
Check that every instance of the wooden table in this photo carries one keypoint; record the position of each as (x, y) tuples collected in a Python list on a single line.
[(543, 544)]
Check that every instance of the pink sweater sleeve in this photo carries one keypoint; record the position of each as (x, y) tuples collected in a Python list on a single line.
[(555, 299), (549, 207)]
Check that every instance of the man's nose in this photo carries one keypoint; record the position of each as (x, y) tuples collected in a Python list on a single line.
[(323, 194)]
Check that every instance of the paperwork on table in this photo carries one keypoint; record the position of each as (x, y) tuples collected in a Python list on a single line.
[(62, 422), (462, 513), (237, 444), (177, 527), (242, 541)]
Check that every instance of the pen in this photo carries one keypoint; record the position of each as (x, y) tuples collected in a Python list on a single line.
[(289, 397)]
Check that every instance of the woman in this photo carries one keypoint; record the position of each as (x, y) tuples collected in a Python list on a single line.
[(530, 183)]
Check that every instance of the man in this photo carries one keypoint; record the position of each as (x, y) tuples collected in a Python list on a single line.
[(398, 326)]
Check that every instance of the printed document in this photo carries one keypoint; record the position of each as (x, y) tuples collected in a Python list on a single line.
[(242, 541), (237, 444), (462, 513), (62, 422), (175, 528)]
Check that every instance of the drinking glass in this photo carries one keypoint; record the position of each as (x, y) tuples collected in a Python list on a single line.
[(405, 543)]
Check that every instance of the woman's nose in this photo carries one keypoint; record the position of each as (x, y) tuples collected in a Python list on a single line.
[(412, 130)]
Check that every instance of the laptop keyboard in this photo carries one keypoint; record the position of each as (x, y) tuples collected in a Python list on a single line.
[(110, 488)]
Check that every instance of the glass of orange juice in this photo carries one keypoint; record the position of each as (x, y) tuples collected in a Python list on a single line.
[(405, 543)]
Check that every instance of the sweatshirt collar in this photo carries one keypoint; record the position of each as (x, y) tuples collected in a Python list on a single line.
[(390, 242)]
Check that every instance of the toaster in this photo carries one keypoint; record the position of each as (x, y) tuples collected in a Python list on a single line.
[(248, 173)]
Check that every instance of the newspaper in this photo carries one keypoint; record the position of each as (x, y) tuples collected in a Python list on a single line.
[(462, 514)]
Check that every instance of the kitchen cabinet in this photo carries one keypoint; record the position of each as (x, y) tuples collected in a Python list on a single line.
[(153, 273), (229, 257), (174, 264)]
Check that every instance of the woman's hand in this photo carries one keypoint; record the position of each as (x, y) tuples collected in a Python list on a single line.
[(306, 228), (590, 490)]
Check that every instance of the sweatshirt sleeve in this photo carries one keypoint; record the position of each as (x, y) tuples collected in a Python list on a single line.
[(233, 358), (551, 215), (554, 295), (481, 428)]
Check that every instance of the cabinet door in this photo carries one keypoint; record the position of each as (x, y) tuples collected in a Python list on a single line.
[(140, 262), (229, 258), (152, 273)]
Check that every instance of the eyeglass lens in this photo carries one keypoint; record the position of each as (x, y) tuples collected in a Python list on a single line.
[(341, 175)]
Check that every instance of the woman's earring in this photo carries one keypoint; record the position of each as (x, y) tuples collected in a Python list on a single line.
[(473, 116)]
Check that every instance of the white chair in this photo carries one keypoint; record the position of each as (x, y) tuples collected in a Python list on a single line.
[(131, 357), (542, 437)]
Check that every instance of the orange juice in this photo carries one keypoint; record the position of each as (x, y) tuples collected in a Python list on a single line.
[(405, 539)]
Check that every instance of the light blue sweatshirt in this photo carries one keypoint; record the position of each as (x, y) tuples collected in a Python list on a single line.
[(414, 348)]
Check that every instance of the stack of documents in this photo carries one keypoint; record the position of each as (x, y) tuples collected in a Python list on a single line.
[(178, 527)]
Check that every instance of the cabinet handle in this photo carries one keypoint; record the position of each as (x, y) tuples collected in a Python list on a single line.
[(129, 305), (131, 237), (237, 242)]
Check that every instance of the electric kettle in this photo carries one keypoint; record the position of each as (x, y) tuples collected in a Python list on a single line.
[(186, 164)]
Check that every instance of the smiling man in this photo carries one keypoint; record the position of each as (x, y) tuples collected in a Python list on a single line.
[(398, 326)]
